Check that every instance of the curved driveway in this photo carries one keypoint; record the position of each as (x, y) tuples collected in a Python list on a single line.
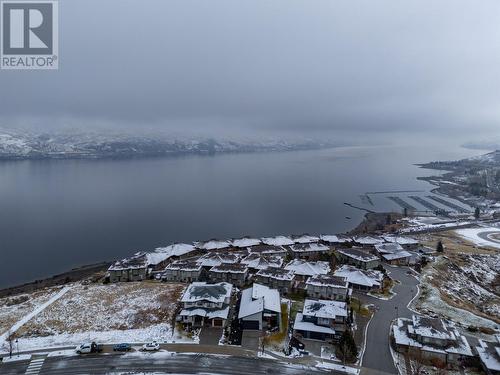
[(377, 355)]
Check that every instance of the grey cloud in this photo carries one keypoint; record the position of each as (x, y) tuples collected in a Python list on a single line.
[(252, 66)]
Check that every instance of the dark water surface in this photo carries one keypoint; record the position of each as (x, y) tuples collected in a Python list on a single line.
[(55, 215)]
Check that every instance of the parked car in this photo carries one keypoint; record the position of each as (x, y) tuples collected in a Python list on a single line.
[(88, 347), (123, 347), (151, 346)]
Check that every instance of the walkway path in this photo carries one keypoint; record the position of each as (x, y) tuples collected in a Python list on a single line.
[(32, 314)]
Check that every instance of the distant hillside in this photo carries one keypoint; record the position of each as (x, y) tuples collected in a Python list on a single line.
[(25, 145)]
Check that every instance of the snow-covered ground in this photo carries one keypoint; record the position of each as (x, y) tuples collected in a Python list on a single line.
[(131, 312), (484, 236), (15, 307), (447, 279)]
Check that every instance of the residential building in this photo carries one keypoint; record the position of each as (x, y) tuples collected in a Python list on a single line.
[(213, 245), (260, 308), (205, 304), (489, 355), (212, 259), (328, 287), (304, 269), (358, 257), (305, 238), (309, 251), (362, 280), (256, 262), (333, 240), (277, 241), (367, 241), (185, 271), (134, 268), (235, 274), (321, 320), (430, 339), (245, 242), (276, 278), (268, 250), (401, 258)]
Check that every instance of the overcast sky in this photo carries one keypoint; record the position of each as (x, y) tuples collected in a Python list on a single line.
[(335, 68)]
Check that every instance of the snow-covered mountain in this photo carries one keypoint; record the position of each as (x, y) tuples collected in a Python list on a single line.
[(29, 145)]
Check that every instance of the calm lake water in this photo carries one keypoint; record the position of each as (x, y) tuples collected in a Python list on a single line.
[(55, 215)]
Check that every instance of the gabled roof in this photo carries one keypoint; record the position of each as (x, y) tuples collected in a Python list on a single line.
[(368, 240), (401, 240), (163, 253), (184, 265), (398, 255), (324, 308), (276, 273), (305, 238), (257, 299), (328, 281), (259, 262), (332, 238), (137, 261), (306, 247), (246, 242), (213, 244), (266, 249), (216, 259), (358, 254), (230, 268), (201, 291), (388, 248), (432, 327), (302, 267), (369, 278), (277, 241)]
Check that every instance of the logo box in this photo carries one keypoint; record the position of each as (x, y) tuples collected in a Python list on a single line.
[(29, 34)]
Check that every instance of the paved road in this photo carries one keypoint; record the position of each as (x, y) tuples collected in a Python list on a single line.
[(377, 354), (162, 363)]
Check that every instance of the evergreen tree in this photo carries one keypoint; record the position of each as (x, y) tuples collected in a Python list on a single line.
[(477, 213), (440, 247), (348, 346)]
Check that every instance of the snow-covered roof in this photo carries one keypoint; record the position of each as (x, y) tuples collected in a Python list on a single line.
[(369, 278), (216, 259), (398, 255), (176, 249), (209, 313), (358, 254), (257, 299), (305, 238), (213, 245), (328, 280), (324, 308), (277, 241), (432, 327), (201, 291), (136, 261), (300, 325), (276, 273), (387, 248), (267, 249), (246, 242), (302, 267), (407, 333), (368, 240), (489, 353), (333, 238), (309, 247), (401, 240), (183, 265), (259, 262), (230, 268)]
